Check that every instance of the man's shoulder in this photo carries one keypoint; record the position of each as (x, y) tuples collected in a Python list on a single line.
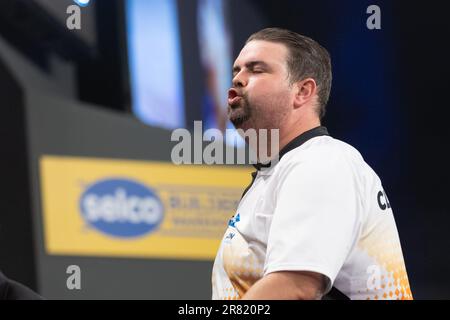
[(329, 158), (323, 150)]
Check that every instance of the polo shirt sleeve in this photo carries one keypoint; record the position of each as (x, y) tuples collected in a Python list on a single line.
[(316, 222)]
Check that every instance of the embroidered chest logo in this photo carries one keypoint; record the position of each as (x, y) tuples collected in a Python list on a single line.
[(230, 236)]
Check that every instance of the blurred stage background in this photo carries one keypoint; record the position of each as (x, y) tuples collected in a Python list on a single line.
[(88, 111)]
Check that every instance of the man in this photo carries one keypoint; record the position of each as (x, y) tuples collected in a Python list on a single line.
[(317, 224)]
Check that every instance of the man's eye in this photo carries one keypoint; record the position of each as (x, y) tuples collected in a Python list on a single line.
[(258, 71)]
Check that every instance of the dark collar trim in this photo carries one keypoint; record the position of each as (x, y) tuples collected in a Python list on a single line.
[(297, 142)]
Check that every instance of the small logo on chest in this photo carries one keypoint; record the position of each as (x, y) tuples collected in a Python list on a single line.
[(230, 236)]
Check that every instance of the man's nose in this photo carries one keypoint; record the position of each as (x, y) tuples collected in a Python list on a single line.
[(239, 81)]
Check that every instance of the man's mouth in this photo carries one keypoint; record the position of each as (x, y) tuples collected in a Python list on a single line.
[(238, 111), (234, 102), (233, 97)]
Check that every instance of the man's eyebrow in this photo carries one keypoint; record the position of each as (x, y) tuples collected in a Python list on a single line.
[(251, 64)]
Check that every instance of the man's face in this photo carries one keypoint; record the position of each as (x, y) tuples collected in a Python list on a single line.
[(261, 95)]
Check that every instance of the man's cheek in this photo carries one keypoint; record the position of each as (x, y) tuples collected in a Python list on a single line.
[(263, 100)]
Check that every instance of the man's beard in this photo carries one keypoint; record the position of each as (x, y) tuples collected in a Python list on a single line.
[(240, 113)]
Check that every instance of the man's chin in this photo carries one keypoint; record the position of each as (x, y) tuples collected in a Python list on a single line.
[(241, 124)]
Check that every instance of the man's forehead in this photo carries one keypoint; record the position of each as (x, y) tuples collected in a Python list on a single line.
[(260, 50)]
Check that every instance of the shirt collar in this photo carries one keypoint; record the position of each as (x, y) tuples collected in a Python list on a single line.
[(296, 142)]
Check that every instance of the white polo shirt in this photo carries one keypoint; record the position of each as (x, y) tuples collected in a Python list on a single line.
[(321, 208)]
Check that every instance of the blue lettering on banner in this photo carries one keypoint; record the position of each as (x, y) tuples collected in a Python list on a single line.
[(121, 208)]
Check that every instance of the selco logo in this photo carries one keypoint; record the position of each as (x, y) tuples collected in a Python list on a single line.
[(121, 208)]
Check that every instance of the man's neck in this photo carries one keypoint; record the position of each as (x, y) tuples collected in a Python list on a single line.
[(287, 135), (283, 138)]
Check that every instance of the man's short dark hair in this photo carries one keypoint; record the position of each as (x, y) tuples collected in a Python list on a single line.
[(307, 59)]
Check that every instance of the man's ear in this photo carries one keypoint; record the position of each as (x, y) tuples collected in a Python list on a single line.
[(306, 91)]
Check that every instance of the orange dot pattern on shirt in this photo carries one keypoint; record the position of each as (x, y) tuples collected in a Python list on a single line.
[(384, 247), (230, 294), (242, 267)]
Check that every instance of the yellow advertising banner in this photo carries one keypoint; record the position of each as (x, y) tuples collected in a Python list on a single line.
[(123, 208)]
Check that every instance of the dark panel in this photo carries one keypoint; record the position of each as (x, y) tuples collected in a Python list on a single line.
[(16, 237)]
